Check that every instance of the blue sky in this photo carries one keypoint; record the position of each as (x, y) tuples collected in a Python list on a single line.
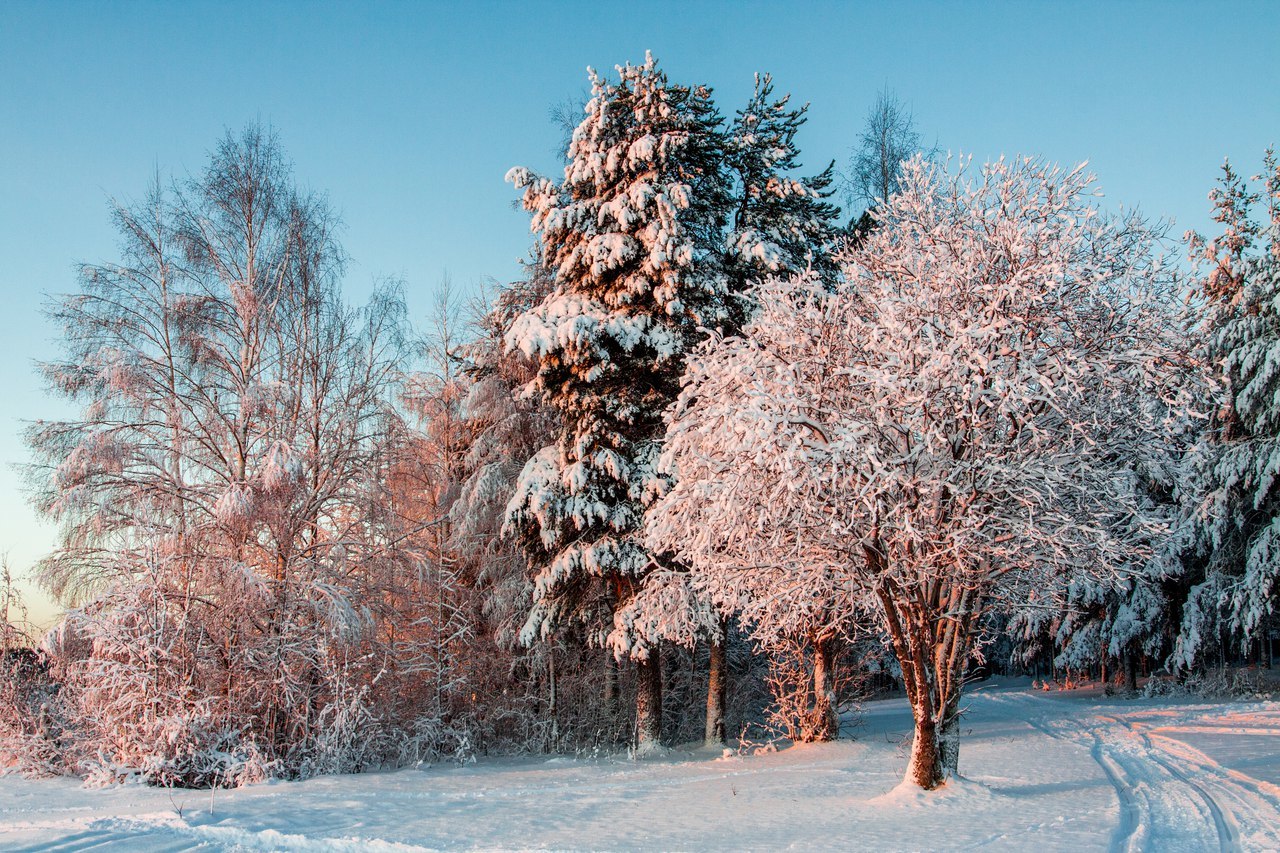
[(409, 115)]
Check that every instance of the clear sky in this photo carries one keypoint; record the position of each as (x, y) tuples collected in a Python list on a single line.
[(409, 115)]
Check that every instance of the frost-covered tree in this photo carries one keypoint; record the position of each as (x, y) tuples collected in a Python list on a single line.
[(935, 435), (226, 526), (659, 196), (1233, 500), (433, 626), (631, 236)]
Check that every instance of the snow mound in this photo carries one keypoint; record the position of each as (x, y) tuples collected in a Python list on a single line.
[(958, 791)]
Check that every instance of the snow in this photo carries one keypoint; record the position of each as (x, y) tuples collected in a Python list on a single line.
[(1065, 770)]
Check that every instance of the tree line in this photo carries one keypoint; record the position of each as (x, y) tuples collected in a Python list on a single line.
[(718, 463)]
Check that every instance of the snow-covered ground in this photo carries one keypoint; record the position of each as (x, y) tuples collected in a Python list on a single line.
[(1043, 771)]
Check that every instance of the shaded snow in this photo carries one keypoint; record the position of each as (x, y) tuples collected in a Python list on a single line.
[(1059, 771)]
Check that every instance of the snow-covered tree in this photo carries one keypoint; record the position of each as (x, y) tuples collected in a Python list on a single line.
[(222, 491), (631, 235), (658, 196), (782, 223), (936, 434), (434, 620), (1098, 624), (1233, 500)]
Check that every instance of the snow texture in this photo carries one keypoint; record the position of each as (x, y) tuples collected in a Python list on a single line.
[(1106, 775)]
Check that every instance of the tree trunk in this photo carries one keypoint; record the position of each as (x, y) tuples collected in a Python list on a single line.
[(926, 768), (826, 717), (610, 684), (717, 684), (932, 654), (1131, 673), (552, 709), (949, 746), (931, 637), (649, 704), (935, 751)]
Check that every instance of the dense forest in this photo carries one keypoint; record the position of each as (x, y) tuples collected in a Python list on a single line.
[(725, 460)]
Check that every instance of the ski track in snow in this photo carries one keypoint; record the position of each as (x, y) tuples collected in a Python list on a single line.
[(1171, 795), (1168, 794)]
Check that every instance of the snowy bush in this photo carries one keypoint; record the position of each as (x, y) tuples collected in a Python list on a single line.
[(1212, 683), (29, 724), (29, 703)]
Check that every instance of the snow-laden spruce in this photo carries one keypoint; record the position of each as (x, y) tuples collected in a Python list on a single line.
[(660, 221), (937, 433), (1232, 555), (626, 238), (781, 223)]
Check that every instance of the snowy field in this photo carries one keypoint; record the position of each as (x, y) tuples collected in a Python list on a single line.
[(1043, 771)]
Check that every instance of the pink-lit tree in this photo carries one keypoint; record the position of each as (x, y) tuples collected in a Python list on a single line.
[(942, 431), (222, 491)]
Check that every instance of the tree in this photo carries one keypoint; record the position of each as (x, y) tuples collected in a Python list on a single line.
[(939, 433), (888, 138), (631, 235), (781, 224), (1232, 531), (222, 497), (434, 619)]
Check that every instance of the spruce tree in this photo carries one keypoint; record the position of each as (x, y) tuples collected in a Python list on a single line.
[(1234, 496), (633, 235)]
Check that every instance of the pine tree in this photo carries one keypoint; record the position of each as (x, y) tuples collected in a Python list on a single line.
[(782, 224), (632, 234)]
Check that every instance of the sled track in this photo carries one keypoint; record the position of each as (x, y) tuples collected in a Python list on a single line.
[(1160, 781), (1120, 839), (1224, 822), (1131, 817)]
